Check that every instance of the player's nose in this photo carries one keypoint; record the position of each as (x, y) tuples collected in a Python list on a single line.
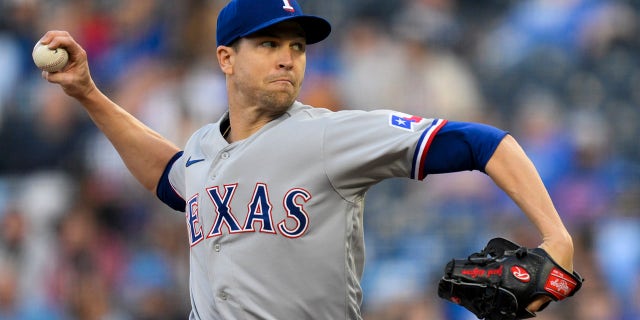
[(286, 58)]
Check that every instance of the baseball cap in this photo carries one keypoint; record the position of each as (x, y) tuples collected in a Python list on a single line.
[(240, 18)]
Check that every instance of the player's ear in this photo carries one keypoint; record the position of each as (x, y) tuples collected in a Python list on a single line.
[(226, 57)]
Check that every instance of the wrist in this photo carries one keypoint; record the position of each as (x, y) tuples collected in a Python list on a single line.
[(560, 247)]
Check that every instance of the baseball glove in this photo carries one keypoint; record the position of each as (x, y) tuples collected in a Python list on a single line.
[(500, 281)]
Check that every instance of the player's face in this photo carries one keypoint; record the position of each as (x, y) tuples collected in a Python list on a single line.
[(269, 66)]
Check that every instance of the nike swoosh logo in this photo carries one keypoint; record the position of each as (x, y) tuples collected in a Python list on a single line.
[(190, 162)]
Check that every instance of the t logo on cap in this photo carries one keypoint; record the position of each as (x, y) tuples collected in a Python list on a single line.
[(287, 6), (240, 18)]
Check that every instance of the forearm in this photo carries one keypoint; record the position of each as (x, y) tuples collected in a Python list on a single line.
[(144, 151), (513, 172)]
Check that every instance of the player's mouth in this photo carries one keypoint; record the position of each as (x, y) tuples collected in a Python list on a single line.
[(282, 81), (282, 78)]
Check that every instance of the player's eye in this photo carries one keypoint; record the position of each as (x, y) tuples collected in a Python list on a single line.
[(299, 46), (268, 44)]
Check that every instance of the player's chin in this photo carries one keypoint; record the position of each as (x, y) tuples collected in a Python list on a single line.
[(286, 89), (280, 100)]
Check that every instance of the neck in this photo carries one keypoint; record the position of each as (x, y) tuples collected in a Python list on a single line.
[(245, 121)]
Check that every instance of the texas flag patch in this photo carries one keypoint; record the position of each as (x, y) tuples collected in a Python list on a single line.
[(404, 121)]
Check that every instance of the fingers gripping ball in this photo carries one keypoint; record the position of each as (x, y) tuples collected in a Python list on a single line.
[(499, 282), (49, 60)]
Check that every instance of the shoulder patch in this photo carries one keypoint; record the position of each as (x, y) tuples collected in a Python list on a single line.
[(404, 121)]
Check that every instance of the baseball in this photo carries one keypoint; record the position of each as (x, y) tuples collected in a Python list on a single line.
[(49, 60)]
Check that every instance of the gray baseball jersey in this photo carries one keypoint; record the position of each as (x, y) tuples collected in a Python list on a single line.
[(275, 221)]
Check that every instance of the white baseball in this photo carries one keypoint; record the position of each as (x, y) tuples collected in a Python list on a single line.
[(49, 60)]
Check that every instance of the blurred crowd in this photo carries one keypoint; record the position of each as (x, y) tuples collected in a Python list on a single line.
[(80, 239)]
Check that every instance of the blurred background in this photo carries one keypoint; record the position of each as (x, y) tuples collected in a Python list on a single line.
[(80, 239)]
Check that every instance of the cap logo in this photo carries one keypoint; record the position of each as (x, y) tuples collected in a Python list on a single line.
[(287, 6)]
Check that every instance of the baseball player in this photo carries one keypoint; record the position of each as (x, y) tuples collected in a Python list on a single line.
[(273, 192)]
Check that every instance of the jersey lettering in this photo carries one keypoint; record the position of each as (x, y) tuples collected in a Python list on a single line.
[(193, 221), (259, 210), (287, 6), (296, 212), (222, 205)]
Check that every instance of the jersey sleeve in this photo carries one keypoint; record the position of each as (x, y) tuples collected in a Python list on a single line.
[(361, 148), (167, 191)]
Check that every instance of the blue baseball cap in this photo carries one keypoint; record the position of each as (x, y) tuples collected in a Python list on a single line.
[(240, 18)]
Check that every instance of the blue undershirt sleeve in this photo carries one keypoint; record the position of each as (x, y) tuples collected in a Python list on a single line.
[(460, 146), (164, 190)]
